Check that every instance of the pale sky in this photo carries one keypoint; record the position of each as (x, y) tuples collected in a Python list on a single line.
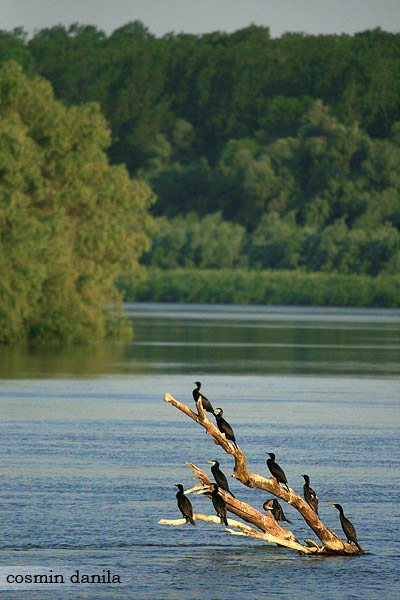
[(203, 16)]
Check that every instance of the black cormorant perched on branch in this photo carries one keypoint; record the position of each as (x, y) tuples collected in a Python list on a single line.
[(277, 510), (309, 495), (219, 476), (184, 504), (205, 401), (276, 470), (219, 504), (224, 426), (347, 526)]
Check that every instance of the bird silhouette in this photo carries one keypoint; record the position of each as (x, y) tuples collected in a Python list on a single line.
[(205, 401), (347, 526), (276, 509), (224, 426), (184, 504), (309, 495), (276, 470), (219, 504), (219, 476)]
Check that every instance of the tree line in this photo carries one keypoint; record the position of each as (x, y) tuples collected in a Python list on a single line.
[(261, 153), (187, 95), (296, 139)]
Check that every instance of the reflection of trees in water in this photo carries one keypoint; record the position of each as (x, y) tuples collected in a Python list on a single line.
[(224, 344), (37, 361), (287, 346)]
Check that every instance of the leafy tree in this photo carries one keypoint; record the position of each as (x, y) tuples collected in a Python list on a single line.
[(191, 241), (299, 133), (277, 243), (184, 188), (13, 47), (69, 222)]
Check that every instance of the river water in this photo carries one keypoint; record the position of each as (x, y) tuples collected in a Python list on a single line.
[(91, 454)]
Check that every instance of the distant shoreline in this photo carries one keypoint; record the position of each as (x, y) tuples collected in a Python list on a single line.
[(272, 287)]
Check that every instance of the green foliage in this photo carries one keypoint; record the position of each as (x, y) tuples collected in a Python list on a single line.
[(276, 243), (184, 188), (288, 150), (68, 221), (192, 242), (13, 47), (264, 287), (237, 85)]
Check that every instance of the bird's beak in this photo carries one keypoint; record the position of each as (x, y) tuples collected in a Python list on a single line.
[(268, 507), (210, 461)]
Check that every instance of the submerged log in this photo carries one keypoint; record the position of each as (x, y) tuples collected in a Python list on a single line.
[(270, 530)]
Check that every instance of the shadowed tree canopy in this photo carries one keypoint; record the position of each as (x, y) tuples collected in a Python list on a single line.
[(69, 222), (295, 141)]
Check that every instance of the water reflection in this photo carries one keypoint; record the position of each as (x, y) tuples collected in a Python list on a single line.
[(172, 338)]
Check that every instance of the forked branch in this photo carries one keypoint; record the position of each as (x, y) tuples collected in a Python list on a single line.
[(271, 530)]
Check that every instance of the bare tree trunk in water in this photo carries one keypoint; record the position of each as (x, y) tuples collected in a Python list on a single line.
[(263, 525)]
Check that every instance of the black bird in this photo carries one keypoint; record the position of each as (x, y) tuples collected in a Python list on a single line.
[(347, 526), (184, 504), (276, 509), (219, 477), (205, 401), (309, 495), (219, 504), (276, 470), (224, 426)]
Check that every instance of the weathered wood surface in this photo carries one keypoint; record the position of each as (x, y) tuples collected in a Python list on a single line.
[(270, 529)]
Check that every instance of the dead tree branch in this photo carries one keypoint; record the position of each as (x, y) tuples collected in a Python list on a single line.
[(271, 530)]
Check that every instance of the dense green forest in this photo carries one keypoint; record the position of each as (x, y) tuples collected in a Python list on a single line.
[(69, 222), (263, 154)]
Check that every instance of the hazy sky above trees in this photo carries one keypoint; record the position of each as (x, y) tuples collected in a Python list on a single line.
[(201, 16)]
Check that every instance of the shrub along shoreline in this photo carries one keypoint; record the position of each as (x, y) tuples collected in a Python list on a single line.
[(272, 287)]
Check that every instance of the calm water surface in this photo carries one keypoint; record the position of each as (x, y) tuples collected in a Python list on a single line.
[(91, 453)]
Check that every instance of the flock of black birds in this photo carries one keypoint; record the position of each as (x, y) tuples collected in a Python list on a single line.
[(277, 472)]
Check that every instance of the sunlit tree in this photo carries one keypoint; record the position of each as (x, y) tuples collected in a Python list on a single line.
[(69, 222)]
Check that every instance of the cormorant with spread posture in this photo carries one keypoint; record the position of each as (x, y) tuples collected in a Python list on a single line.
[(347, 526), (219, 476), (219, 504), (224, 426), (205, 401), (184, 504), (277, 510), (309, 495), (276, 470)]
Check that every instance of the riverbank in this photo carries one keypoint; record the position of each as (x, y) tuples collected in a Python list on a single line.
[(234, 286)]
